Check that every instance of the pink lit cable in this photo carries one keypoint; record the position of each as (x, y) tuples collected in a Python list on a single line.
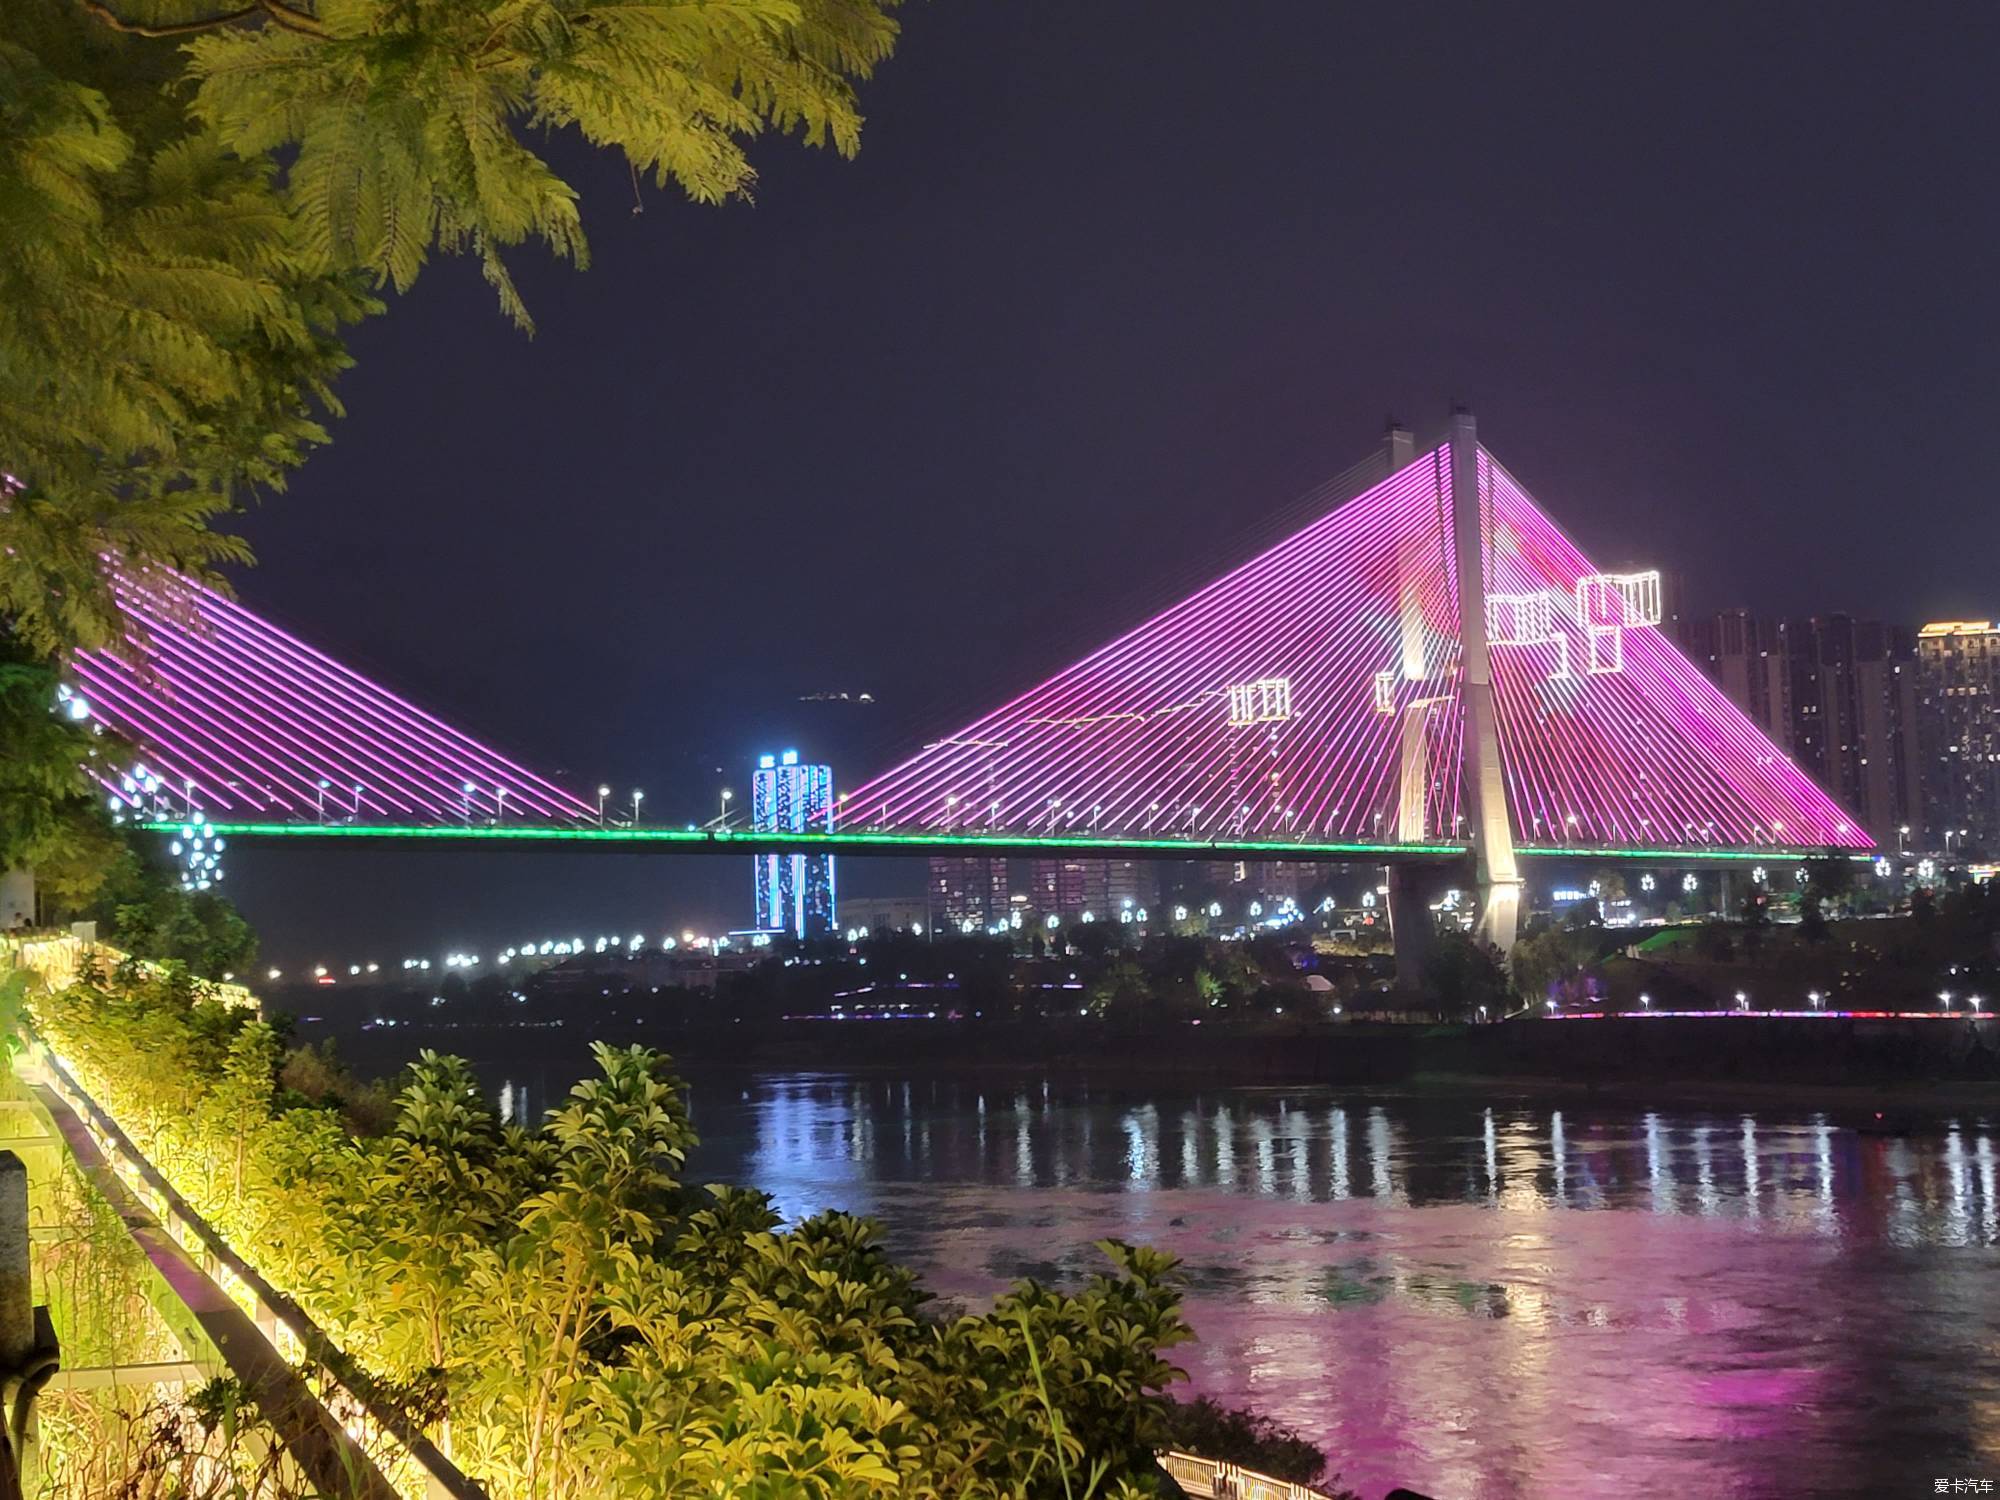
[(257, 721), (1357, 615), (1649, 755), (1138, 736)]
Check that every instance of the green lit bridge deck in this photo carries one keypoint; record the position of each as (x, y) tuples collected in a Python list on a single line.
[(652, 840)]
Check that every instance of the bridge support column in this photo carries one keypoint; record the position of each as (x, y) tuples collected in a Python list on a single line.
[(1412, 889), (1497, 874)]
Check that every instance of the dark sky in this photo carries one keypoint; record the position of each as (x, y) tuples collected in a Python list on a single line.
[(1108, 284)]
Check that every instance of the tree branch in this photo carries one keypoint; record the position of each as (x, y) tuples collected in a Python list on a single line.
[(281, 15), (292, 20), (117, 22)]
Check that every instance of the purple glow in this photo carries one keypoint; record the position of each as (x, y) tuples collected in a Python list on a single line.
[(257, 720), (1626, 745)]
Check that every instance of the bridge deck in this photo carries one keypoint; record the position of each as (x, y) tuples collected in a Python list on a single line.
[(655, 840)]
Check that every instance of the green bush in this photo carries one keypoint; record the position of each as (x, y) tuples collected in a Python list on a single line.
[(597, 1328)]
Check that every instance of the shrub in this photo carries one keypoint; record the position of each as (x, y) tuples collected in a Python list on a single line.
[(596, 1328)]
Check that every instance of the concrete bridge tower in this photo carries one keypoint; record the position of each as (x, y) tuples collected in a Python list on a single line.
[(1495, 868), (1496, 873)]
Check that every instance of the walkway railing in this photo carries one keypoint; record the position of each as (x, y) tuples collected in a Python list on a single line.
[(58, 958), (283, 1334)]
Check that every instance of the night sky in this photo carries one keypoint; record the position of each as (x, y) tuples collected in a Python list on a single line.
[(1107, 286)]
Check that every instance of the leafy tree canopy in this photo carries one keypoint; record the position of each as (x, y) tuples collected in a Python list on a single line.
[(199, 198), (49, 814)]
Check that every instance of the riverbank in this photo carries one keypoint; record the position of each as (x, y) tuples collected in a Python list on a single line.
[(1854, 1066)]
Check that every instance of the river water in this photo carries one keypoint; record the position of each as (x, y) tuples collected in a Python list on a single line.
[(1474, 1299)]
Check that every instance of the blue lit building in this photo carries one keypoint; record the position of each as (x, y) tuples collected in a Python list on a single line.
[(794, 891)]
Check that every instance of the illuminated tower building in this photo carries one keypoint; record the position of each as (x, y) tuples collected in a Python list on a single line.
[(794, 891), (1958, 666)]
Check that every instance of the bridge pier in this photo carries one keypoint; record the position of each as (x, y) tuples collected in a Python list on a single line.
[(1412, 889)]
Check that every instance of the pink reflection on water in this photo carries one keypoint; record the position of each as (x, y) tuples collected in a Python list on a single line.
[(1477, 1302)]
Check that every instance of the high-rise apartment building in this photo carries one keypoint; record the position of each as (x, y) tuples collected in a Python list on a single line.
[(1836, 694), (1067, 888), (968, 889), (1958, 664), (794, 892)]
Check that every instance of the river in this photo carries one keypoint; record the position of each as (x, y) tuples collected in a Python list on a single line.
[(1471, 1298)]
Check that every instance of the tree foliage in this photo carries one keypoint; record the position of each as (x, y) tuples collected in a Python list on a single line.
[(1549, 964), (199, 198), (595, 1327), (50, 820), (163, 345), (1465, 976)]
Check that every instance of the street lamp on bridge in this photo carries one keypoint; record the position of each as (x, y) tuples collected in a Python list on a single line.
[(602, 793)]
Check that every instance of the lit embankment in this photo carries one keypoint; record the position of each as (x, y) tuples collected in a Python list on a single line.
[(58, 959), (333, 1427), (579, 1324)]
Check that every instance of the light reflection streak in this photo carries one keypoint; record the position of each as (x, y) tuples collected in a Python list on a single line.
[(1827, 1220), (1656, 1168), (1337, 1129), (1706, 1201), (1750, 1179), (1260, 1132), (1378, 1154), (1958, 1174), (1987, 1224)]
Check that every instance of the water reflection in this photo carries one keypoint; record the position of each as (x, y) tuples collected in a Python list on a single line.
[(1473, 1299)]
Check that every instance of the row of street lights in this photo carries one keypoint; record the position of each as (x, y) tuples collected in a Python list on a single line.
[(604, 792)]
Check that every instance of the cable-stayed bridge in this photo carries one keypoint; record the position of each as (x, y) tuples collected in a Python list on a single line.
[(1427, 671)]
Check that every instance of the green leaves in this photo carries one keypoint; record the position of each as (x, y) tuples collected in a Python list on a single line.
[(192, 223), (601, 1333), (408, 118), (163, 349)]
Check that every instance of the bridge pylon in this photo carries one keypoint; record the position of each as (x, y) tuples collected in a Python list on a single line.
[(1497, 871)]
